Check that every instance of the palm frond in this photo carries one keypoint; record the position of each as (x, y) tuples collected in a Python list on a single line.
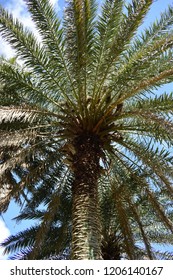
[(79, 30), (141, 227), (152, 158), (55, 202), (108, 24), (29, 215), (158, 104), (23, 41), (164, 255), (165, 76), (21, 240), (127, 27), (16, 139), (9, 114), (49, 27), (33, 54), (158, 207), (125, 228), (28, 86)]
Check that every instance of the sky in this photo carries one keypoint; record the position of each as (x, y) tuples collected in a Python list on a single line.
[(4, 233), (18, 8)]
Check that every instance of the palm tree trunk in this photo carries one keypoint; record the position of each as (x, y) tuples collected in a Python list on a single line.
[(86, 232)]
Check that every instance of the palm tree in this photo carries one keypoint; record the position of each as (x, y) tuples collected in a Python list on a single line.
[(87, 99), (57, 234)]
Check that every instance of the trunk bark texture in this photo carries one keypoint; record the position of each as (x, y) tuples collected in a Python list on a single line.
[(86, 231)]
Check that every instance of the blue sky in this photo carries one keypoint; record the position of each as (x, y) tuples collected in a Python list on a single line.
[(18, 7)]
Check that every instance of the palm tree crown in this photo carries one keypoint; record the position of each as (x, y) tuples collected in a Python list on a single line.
[(88, 104)]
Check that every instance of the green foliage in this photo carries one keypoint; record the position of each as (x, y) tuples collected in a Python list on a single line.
[(122, 198), (88, 75)]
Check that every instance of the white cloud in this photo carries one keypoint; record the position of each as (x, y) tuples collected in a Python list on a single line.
[(19, 11), (5, 49), (53, 2), (4, 233)]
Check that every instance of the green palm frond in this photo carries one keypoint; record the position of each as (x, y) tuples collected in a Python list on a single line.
[(164, 255), (27, 85), (114, 243), (79, 30), (160, 210), (83, 107), (142, 229), (127, 25), (52, 209), (23, 40), (156, 104), (51, 32), (121, 36), (29, 214), (49, 27), (108, 24), (21, 240)]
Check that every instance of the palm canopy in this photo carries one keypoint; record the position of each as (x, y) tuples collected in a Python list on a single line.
[(87, 94)]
